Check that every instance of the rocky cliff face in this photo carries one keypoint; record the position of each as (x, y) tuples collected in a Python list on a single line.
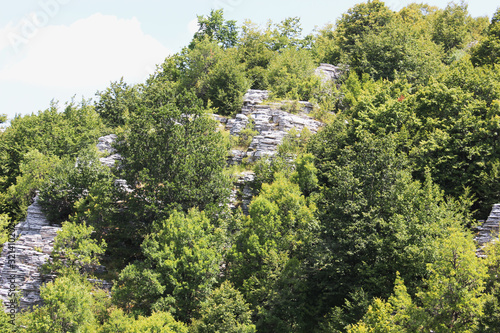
[(271, 123), (21, 259), (488, 231), (105, 145), (31, 246), (328, 72)]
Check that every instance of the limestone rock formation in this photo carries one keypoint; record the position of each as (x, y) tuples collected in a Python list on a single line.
[(21, 260), (488, 231), (32, 243), (271, 122), (105, 145), (241, 194), (328, 72)]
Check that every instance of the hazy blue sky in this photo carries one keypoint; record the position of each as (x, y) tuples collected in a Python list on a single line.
[(56, 49)]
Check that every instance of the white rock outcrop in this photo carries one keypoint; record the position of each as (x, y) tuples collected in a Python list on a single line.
[(241, 194), (328, 72), (270, 121), (488, 231), (105, 145), (21, 259)]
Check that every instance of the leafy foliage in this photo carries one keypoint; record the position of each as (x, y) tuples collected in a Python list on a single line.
[(68, 307), (74, 248), (384, 193), (116, 103), (51, 132), (182, 258), (70, 181), (375, 217), (161, 322), (269, 256), (225, 310), (488, 50), (291, 75), (215, 28), (174, 158)]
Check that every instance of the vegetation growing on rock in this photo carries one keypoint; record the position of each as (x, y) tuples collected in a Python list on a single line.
[(361, 223)]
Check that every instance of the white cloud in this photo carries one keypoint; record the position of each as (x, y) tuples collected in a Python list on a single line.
[(90, 52), (193, 26)]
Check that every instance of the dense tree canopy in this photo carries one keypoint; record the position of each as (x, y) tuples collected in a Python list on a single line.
[(365, 226)]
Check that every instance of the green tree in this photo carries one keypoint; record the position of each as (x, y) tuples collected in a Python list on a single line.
[(488, 50), (291, 75), (70, 181), (158, 322), (174, 158), (375, 218), (396, 315), (4, 228), (268, 259), (447, 126), (453, 27), (182, 259), (215, 28), (325, 48), (51, 132), (452, 296), (454, 134), (413, 56), (360, 19), (115, 104), (225, 310), (225, 84), (490, 320), (451, 299), (214, 74), (254, 52), (75, 249), (68, 307), (34, 171), (287, 34), (305, 174)]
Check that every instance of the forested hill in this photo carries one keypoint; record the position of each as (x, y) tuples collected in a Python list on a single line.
[(365, 226)]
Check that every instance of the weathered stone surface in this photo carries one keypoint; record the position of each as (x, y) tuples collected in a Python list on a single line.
[(110, 160), (241, 194), (488, 231), (255, 96), (328, 72), (105, 143), (271, 123), (34, 244), (236, 125), (220, 119), (237, 156)]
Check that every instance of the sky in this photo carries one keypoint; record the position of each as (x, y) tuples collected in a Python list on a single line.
[(59, 50)]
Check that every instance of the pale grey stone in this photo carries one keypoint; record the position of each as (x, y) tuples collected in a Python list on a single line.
[(328, 72), (32, 248), (105, 143), (488, 231), (242, 194)]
